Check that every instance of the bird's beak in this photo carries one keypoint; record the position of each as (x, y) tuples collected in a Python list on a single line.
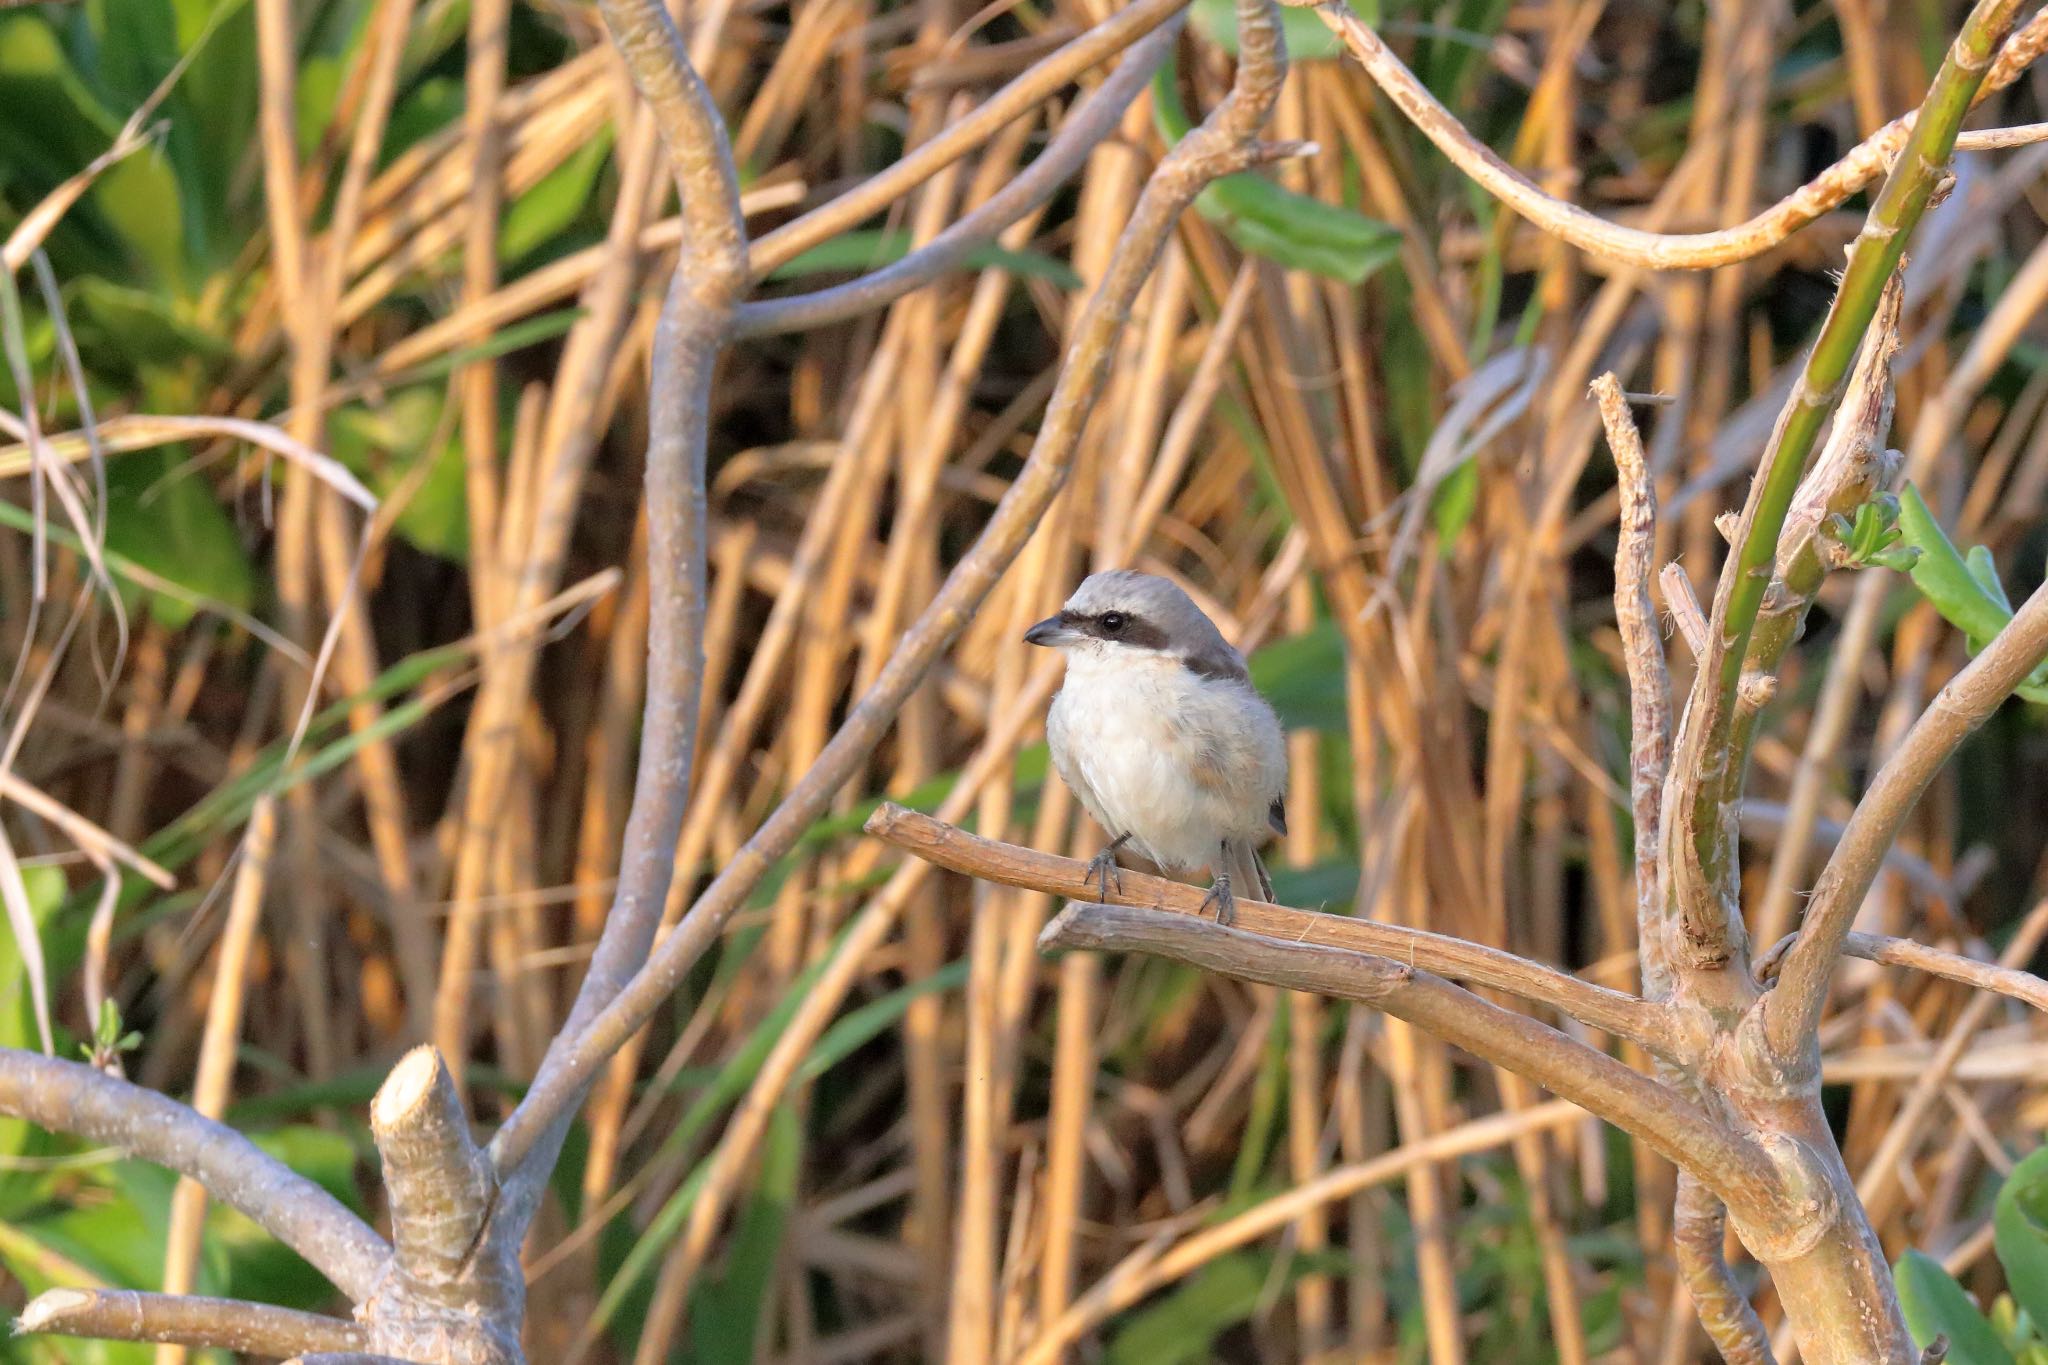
[(1049, 633)]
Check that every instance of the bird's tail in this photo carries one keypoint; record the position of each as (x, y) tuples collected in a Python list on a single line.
[(1247, 871)]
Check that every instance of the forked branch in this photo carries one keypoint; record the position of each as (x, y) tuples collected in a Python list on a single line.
[(1792, 1011), (1734, 1168)]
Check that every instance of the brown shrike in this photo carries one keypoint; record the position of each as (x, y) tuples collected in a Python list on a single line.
[(1160, 733)]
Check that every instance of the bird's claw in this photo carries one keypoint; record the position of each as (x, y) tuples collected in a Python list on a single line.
[(1104, 872), (1222, 899)]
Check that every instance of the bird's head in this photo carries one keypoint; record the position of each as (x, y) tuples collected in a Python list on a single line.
[(1123, 614)]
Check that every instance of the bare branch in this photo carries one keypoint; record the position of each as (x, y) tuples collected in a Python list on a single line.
[(187, 1320), (1084, 130), (1027, 91), (1725, 1162), (710, 276), (1792, 1011), (1698, 1231), (1610, 1011), (1659, 251), (1887, 951), (1223, 144), (1649, 676), (66, 1097)]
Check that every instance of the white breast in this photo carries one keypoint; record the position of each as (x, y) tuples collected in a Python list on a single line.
[(1177, 761)]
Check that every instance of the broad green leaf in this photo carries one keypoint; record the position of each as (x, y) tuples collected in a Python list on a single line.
[(122, 329), (1935, 1305), (165, 519), (2020, 1224), (140, 198), (557, 201), (727, 1313), (866, 249)]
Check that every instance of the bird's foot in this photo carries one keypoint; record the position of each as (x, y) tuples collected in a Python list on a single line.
[(1103, 871), (1221, 899)]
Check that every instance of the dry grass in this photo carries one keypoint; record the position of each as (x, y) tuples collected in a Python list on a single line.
[(1021, 1156)]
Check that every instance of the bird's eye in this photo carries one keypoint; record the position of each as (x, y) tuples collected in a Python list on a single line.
[(1113, 621)]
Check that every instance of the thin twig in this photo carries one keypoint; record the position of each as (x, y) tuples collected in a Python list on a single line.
[(1082, 132), (1026, 92), (1793, 1010), (1649, 676), (1657, 251), (1887, 951)]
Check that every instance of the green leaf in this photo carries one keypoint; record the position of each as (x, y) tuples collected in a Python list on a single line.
[(1266, 219), (727, 1313), (553, 204), (2020, 1224), (865, 249), (165, 519), (1935, 1305), (1944, 578), (384, 445), (1181, 1329), (1966, 592), (1308, 38)]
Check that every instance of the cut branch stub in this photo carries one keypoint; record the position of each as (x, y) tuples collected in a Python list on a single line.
[(448, 1281)]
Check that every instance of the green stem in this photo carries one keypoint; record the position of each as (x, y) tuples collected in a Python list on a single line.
[(1872, 257)]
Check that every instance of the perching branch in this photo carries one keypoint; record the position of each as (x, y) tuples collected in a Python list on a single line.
[(1887, 951), (187, 1320), (1792, 1010), (66, 1097), (1225, 144), (1083, 131), (1610, 1011), (1666, 251), (1730, 1165)]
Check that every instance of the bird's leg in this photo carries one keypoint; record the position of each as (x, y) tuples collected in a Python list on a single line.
[(1102, 868), (1220, 896)]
